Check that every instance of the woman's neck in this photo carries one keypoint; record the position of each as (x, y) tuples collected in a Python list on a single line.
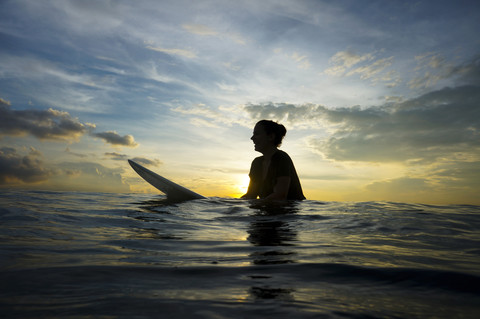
[(268, 153)]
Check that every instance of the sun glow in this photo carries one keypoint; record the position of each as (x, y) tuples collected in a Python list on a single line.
[(242, 185)]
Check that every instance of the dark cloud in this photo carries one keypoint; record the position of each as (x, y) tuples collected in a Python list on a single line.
[(17, 169), (53, 125), (426, 128), (433, 67), (43, 124), (432, 126), (470, 72), (461, 175), (114, 138)]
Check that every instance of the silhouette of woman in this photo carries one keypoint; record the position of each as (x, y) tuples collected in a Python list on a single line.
[(273, 175)]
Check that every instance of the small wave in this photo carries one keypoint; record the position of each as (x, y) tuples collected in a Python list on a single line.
[(402, 277)]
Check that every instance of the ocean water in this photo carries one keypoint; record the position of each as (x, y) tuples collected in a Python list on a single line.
[(94, 255)]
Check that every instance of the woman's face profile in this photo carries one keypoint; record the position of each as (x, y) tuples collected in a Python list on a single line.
[(261, 139)]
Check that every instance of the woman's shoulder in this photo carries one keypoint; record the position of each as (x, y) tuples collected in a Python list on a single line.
[(281, 155), (257, 160)]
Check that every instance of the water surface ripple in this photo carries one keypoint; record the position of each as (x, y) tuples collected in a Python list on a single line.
[(75, 255)]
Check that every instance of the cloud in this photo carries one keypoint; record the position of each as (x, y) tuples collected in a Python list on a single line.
[(53, 125), (114, 138), (433, 140), (147, 162), (55, 84), (68, 151), (427, 128), (455, 181), (204, 116), (17, 169), (369, 71), (4, 102), (88, 176), (302, 60), (22, 169), (203, 30), (344, 60), (116, 156), (399, 185), (141, 160), (433, 67), (306, 115), (27, 67), (367, 66), (180, 52), (203, 123), (44, 124), (432, 126), (200, 29), (462, 175), (470, 72)]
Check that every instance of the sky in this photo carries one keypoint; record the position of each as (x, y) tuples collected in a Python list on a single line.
[(381, 99)]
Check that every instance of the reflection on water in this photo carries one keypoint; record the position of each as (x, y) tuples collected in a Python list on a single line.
[(271, 293), (272, 234)]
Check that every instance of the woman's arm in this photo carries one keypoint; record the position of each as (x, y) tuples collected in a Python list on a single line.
[(248, 196), (280, 190)]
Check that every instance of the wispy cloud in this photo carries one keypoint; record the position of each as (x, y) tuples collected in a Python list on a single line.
[(433, 67), (116, 156), (203, 116), (367, 66), (62, 86), (371, 70), (147, 162), (200, 29), (29, 67), (304, 115), (344, 60), (173, 51), (80, 155), (302, 60), (203, 30)]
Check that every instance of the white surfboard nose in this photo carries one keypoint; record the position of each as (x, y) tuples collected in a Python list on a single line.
[(173, 191)]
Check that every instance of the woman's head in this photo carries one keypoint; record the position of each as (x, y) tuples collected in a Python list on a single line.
[(278, 131)]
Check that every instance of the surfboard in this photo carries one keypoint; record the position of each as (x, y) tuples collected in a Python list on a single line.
[(173, 191)]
